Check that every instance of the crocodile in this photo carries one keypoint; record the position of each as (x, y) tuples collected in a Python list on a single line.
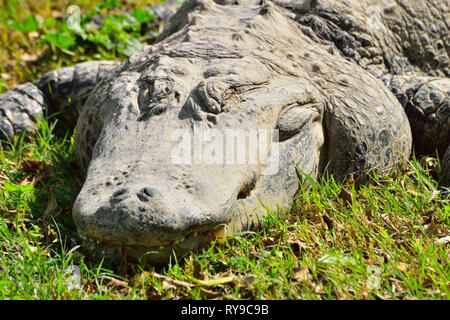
[(345, 87)]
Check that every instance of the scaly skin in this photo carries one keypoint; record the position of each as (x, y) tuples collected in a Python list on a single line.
[(286, 65)]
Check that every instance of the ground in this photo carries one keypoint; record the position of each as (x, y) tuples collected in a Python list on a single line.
[(387, 239)]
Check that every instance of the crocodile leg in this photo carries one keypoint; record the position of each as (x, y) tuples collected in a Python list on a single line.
[(427, 104), (60, 91)]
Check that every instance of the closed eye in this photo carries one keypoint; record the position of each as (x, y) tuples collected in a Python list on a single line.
[(297, 117)]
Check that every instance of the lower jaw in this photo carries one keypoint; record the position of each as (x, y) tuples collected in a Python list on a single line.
[(153, 255)]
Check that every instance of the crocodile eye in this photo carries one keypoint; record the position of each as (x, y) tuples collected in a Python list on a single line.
[(217, 95), (297, 117), (159, 109), (209, 95)]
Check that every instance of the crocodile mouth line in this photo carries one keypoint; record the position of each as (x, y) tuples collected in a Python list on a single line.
[(158, 253)]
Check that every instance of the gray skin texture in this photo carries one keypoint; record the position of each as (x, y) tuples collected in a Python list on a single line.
[(339, 81)]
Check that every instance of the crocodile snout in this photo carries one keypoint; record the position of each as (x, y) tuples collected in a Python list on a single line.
[(157, 216)]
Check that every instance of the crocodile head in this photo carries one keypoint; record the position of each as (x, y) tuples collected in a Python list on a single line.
[(196, 132)]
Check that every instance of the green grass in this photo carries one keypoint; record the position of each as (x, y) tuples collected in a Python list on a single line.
[(337, 241), (380, 240)]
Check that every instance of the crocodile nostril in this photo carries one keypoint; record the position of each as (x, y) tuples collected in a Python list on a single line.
[(148, 191), (145, 193), (142, 197), (119, 195)]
